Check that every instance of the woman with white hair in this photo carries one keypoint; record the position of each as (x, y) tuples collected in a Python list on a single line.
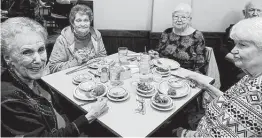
[(238, 111), (28, 106), (182, 42)]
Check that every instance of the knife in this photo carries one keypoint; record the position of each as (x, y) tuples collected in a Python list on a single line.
[(95, 75)]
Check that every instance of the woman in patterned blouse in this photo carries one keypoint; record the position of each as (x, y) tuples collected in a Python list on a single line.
[(238, 111), (182, 42), (78, 42)]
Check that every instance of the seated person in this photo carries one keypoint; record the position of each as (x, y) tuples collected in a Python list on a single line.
[(182, 42), (28, 106), (237, 112), (231, 74), (78, 42)]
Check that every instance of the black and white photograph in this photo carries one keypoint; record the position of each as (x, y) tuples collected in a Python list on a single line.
[(131, 68)]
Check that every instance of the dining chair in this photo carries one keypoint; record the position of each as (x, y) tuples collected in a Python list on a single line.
[(211, 71)]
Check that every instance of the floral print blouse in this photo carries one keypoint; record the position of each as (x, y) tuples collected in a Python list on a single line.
[(188, 50)]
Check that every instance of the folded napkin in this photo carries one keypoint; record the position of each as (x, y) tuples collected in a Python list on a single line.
[(134, 68)]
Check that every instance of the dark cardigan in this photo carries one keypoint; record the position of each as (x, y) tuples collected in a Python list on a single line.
[(24, 113)]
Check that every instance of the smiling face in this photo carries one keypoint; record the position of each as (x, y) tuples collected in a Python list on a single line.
[(181, 20), (247, 55), (27, 56), (81, 24)]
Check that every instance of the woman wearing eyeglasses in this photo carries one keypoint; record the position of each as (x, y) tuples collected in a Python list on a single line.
[(182, 42)]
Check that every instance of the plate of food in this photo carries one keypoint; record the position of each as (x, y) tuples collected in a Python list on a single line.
[(166, 62), (173, 92), (146, 95), (97, 62), (144, 87), (162, 70), (162, 102), (81, 78), (98, 90), (117, 94), (176, 82)]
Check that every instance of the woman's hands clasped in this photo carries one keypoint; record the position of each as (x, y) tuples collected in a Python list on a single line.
[(81, 56), (97, 109)]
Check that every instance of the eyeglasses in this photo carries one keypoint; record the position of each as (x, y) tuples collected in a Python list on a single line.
[(183, 18)]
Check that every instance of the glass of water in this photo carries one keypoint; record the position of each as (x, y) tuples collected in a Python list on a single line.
[(122, 55)]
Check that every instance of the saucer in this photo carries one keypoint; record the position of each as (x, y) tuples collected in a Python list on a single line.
[(118, 99), (183, 91), (163, 109)]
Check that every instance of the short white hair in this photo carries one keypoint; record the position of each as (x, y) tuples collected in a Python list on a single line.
[(248, 30), (18, 25), (183, 7), (252, 2)]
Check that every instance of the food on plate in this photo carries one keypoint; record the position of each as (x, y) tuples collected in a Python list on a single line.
[(117, 92), (175, 82), (82, 77), (160, 99), (162, 69), (144, 86), (87, 86), (171, 91), (99, 90)]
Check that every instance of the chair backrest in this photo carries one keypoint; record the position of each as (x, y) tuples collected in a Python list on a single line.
[(211, 71)]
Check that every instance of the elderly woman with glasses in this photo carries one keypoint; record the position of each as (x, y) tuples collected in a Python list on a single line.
[(238, 111), (78, 42), (182, 42), (28, 106)]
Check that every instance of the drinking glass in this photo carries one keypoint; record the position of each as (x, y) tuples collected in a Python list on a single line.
[(144, 67), (122, 55), (115, 72)]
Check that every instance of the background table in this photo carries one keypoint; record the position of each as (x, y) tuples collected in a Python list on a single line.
[(121, 117)]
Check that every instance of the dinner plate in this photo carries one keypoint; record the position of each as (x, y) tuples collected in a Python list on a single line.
[(118, 99), (165, 105), (144, 91), (163, 75), (147, 95), (166, 62), (87, 96), (81, 78), (163, 109), (97, 62), (180, 92), (117, 92)]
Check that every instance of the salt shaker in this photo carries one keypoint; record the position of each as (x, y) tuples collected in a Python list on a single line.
[(104, 75)]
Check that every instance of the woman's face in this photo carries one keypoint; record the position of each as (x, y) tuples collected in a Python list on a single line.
[(28, 56), (180, 20), (82, 24), (247, 55)]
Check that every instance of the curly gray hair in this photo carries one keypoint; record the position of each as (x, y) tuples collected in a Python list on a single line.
[(18, 25), (83, 9)]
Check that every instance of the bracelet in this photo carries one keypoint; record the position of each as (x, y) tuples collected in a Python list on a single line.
[(76, 128)]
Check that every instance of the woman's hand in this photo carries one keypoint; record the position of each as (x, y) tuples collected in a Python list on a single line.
[(80, 56), (196, 79), (153, 53), (98, 108)]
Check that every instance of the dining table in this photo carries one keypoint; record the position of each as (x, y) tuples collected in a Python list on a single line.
[(122, 118)]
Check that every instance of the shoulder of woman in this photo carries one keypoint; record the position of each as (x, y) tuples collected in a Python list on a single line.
[(198, 34), (168, 30), (95, 33)]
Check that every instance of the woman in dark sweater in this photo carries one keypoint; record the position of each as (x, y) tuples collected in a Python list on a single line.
[(28, 106)]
